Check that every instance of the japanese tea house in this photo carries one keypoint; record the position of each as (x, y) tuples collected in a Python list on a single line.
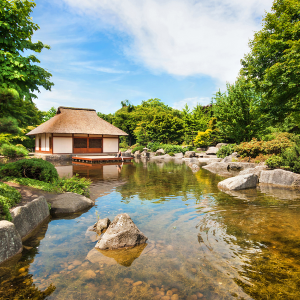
[(76, 130)]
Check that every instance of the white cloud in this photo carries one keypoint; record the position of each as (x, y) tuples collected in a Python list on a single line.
[(191, 102), (181, 37)]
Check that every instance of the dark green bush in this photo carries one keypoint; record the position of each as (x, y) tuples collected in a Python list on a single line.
[(13, 151), (34, 168), (171, 154), (275, 161), (226, 150), (153, 146), (291, 158), (9, 196)]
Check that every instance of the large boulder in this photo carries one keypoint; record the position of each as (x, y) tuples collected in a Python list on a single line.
[(189, 154), (232, 157), (28, 217), (257, 170), (10, 241), (212, 150), (280, 177), (239, 182), (216, 167), (178, 155), (122, 232), (209, 160), (68, 203), (160, 152)]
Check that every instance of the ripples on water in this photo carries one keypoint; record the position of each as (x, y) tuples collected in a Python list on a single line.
[(203, 243)]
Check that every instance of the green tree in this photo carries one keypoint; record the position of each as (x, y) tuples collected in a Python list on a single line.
[(49, 114), (238, 112), (273, 64), (16, 70)]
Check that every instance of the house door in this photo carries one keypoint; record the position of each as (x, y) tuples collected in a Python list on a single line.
[(40, 144)]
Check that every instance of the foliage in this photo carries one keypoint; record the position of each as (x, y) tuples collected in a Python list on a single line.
[(226, 150), (49, 114), (291, 157), (9, 125), (20, 72), (273, 63), (275, 161), (276, 146), (61, 185), (34, 168), (9, 196), (137, 148), (13, 151), (238, 112), (203, 138)]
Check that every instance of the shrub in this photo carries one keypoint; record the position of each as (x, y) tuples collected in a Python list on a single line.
[(275, 161), (137, 148), (226, 150), (291, 158), (153, 146), (203, 138), (13, 151), (9, 196), (171, 154), (276, 146), (34, 168)]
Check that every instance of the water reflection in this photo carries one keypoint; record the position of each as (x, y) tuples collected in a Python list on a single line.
[(203, 243)]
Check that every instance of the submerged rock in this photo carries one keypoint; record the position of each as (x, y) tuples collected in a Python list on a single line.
[(195, 168), (239, 182), (101, 225), (122, 232)]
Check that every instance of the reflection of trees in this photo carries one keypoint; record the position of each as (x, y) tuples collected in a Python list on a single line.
[(258, 241), (159, 182)]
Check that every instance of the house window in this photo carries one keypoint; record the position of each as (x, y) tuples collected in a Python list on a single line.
[(95, 143), (80, 143)]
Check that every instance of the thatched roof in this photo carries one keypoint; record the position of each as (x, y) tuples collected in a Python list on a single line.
[(77, 120)]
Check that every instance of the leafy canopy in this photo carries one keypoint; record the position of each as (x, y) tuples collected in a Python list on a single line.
[(273, 64), (17, 71)]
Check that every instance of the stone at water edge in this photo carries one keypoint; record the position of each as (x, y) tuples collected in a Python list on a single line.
[(239, 182), (212, 150), (122, 232), (189, 154), (101, 225)]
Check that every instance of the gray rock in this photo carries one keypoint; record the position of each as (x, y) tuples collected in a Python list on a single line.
[(160, 151), (280, 177), (212, 150), (216, 167), (28, 217), (122, 232), (10, 241), (239, 182), (189, 154), (101, 225), (279, 192), (210, 156), (202, 149), (231, 157), (178, 155), (257, 170), (137, 154), (69, 203), (218, 146), (239, 166), (208, 161)]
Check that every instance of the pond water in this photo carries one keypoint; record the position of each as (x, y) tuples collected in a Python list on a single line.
[(203, 243)]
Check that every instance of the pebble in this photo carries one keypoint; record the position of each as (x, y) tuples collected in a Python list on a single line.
[(109, 294), (89, 274), (77, 262), (192, 297), (71, 267), (194, 270), (174, 297), (199, 295), (165, 298), (174, 290), (101, 272), (138, 283), (169, 293)]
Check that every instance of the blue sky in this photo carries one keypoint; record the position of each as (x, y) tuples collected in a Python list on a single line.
[(106, 51)]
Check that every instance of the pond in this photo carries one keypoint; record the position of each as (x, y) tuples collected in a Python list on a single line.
[(203, 243)]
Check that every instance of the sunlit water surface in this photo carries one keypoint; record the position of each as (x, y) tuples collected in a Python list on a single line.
[(203, 243)]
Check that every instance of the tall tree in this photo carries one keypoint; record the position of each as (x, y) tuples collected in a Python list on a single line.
[(238, 112), (16, 70), (273, 64)]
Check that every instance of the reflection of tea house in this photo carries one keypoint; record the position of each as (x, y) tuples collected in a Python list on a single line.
[(76, 130)]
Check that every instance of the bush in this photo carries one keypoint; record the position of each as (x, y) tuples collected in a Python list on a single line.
[(171, 154), (34, 168), (154, 146), (203, 138), (226, 150), (275, 161), (13, 151), (276, 146), (9, 196), (137, 148), (291, 158)]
